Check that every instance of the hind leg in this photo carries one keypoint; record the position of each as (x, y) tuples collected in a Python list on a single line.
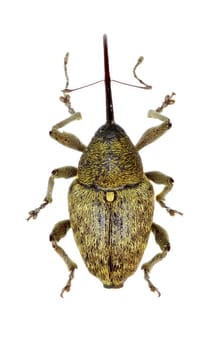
[(59, 231), (162, 239)]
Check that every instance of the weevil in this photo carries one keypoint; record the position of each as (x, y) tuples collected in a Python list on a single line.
[(111, 200)]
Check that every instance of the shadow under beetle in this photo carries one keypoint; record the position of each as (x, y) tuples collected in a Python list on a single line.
[(111, 200)]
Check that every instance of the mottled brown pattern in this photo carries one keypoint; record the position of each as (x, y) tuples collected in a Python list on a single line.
[(111, 236)]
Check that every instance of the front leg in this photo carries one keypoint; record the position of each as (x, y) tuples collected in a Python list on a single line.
[(154, 133), (65, 138), (64, 172)]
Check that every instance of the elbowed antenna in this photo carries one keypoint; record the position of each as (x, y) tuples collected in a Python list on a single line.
[(109, 102)]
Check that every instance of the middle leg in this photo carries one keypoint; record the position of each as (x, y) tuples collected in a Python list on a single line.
[(162, 179), (65, 172)]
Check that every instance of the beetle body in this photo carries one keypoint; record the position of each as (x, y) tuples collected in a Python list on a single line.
[(113, 200)]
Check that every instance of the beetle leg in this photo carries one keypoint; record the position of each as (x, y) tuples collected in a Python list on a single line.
[(66, 138), (154, 133), (162, 239), (58, 232), (65, 172), (162, 179)]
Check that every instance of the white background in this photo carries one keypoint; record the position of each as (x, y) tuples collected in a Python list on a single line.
[(177, 40)]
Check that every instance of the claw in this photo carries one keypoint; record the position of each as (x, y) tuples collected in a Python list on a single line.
[(68, 285), (168, 100), (33, 213), (172, 212), (151, 286)]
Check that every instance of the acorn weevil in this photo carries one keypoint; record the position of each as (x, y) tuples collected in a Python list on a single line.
[(111, 200)]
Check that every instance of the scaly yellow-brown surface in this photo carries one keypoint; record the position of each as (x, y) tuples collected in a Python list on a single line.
[(111, 206), (111, 160), (111, 236)]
